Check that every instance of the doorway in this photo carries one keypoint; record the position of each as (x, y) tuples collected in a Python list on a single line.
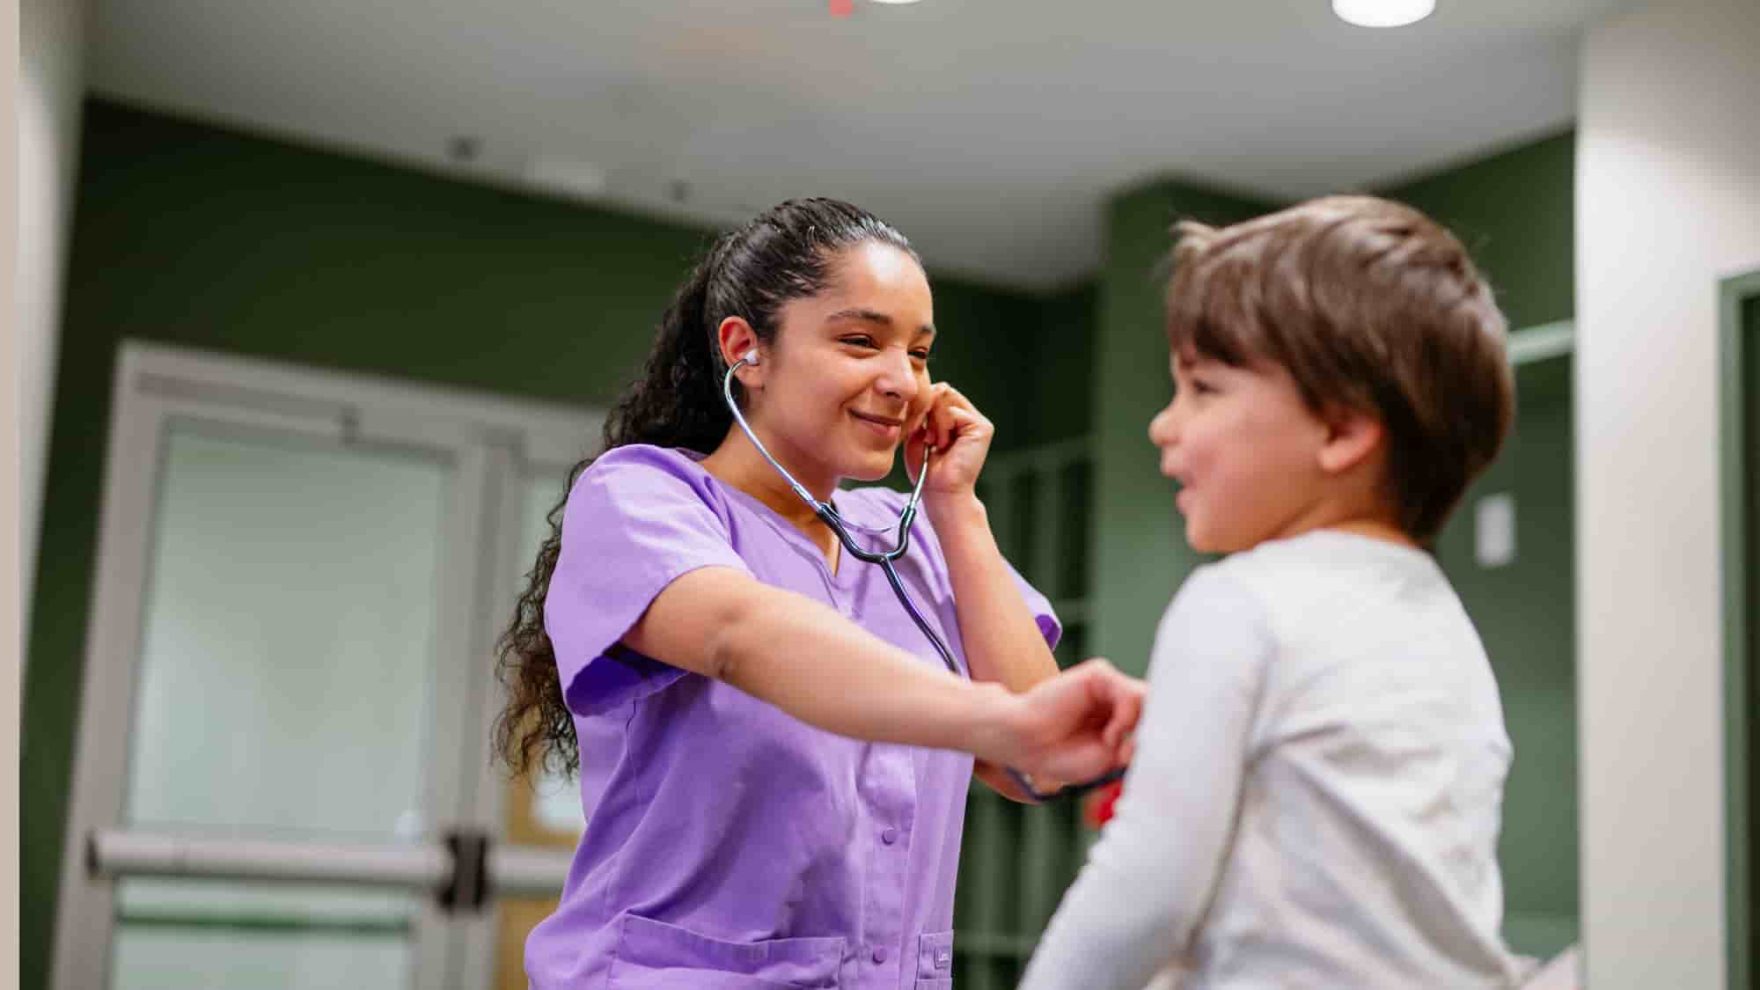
[(283, 775)]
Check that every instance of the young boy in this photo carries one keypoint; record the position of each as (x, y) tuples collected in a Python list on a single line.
[(1315, 796)]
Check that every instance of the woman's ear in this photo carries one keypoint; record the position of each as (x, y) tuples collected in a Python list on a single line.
[(1352, 437), (737, 339)]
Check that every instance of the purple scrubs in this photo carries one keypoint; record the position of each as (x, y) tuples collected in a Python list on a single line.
[(733, 847)]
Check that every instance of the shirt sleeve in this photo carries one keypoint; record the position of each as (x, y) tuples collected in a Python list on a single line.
[(1044, 616), (631, 527), (1149, 879)]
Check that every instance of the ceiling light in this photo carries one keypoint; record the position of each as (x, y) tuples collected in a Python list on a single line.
[(1383, 13)]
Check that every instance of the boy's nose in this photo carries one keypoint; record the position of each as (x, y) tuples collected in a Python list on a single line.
[(1161, 432)]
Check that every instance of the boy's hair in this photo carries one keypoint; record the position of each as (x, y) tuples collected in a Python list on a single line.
[(1369, 305)]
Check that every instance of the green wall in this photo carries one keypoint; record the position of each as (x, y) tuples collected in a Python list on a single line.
[(1750, 331), (1515, 211), (1139, 554), (208, 238), (1526, 613), (1059, 402)]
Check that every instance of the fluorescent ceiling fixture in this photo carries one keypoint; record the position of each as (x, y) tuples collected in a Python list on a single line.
[(1383, 13)]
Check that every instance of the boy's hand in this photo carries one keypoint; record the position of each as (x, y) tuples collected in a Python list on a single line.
[(1073, 727)]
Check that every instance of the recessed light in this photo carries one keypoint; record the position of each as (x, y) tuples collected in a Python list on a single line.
[(1383, 13)]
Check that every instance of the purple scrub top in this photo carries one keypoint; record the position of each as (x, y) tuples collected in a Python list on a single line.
[(729, 846)]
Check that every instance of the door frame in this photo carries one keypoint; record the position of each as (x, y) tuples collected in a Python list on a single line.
[(484, 438), (1739, 496)]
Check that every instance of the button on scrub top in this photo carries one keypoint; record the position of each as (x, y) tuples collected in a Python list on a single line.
[(728, 845)]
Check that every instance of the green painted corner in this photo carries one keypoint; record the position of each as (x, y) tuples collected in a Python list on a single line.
[(1739, 498)]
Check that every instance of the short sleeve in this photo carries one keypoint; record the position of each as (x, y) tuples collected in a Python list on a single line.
[(635, 521), (1043, 615)]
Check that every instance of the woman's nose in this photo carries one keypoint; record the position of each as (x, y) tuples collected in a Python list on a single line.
[(898, 377)]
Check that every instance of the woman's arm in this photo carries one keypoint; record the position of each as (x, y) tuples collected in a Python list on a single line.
[(813, 663), (1003, 642)]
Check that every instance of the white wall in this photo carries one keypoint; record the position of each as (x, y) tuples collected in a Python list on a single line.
[(42, 115), (51, 85), (1668, 202), (9, 622)]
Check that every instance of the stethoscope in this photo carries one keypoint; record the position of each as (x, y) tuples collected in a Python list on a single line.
[(906, 516)]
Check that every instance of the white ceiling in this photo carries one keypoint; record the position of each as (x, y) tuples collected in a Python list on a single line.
[(989, 132)]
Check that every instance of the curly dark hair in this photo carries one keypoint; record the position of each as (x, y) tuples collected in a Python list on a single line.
[(784, 253)]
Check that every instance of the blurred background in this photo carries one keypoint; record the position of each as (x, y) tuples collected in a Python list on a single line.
[(320, 300)]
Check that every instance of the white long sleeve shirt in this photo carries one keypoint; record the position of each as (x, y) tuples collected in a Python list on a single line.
[(1316, 791)]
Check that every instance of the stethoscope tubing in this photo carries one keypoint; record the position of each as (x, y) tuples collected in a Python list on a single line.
[(885, 558)]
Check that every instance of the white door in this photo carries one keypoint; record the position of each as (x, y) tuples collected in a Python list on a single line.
[(283, 777)]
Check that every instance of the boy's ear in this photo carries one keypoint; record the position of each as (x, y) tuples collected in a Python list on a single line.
[(1352, 437)]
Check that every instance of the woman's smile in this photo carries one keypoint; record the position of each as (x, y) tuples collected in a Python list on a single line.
[(886, 427)]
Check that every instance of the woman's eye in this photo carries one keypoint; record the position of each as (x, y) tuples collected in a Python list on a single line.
[(920, 355), (1201, 387), (858, 340)]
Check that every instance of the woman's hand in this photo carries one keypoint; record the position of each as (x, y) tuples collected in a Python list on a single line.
[(961, 437), (1073, 727)]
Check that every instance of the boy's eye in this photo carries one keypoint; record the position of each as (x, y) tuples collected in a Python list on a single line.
[(920, 355), (857, 340)]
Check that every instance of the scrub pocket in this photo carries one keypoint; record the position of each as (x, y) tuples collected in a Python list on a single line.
[(935, 961), (653, 955)]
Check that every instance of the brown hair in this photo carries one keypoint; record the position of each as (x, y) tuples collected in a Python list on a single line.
[(1369, 305), (784, 253)]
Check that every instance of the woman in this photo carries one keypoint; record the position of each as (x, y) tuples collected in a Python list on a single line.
[(694, 625)]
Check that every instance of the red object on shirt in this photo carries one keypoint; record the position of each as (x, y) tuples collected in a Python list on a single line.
[(1097, 808)]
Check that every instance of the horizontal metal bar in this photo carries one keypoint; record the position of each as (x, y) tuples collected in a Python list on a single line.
[(120, 853), (527, 871), (1537, 343), (266, 924)]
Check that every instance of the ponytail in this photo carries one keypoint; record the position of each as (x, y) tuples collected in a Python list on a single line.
[(784, 253)]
